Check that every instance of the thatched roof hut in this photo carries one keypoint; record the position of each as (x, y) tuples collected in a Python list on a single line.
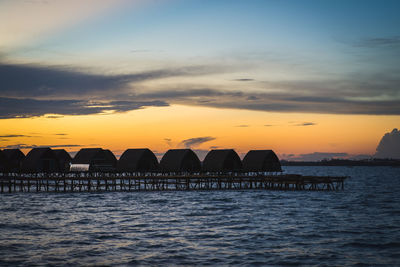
[(93, 159), (64, 159), (15, 158), (137, 160), (40, 160), (4, 162), (261, 161), (180, 160), (222, 160)]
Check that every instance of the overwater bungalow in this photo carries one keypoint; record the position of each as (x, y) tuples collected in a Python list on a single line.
[(40, 160), (15, 158), (261, 161), (4, 163), (222, 160), (180, 160), (64, 159), (94, 159), (137, 160)]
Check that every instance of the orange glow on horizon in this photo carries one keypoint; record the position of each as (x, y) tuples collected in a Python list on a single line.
[(239, 129)]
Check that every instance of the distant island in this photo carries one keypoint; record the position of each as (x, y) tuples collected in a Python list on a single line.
[(344, 162)]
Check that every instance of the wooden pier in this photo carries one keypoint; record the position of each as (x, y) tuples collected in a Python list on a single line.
[(96, 182)]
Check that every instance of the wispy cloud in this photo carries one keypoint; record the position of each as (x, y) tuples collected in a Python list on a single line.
[(25, 146), (33, 80), (379, 42), (306, 124), (54, 116), (244, 80), (26, 108), (192, 142), (59, 91), (168, 141), (14, 135), (242, 126)]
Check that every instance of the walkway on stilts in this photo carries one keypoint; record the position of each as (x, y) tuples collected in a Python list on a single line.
[(94, 182)]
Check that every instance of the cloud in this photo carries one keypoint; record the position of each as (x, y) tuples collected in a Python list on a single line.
[(190, 93), (14, 135), (379, 42), (252, 97), (389, 146), (64, 90), (242, 126), (306, 124), (192, 142), (380, 96), (168, 141), (26, 108), (41, 81), (54, 116), (268, 125), (244, 80), (25, 146)]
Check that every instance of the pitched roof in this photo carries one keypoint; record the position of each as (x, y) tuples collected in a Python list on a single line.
[(176, 160), (261, 160), (14, 154), (110, 156), (32, 161), (62, 155), (137, 160), (95, 156), (86, 155), (222, 160)]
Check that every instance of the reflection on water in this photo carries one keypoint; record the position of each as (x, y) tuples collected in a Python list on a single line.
[(358, 225)]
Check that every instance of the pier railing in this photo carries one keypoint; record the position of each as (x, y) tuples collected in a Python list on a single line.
[(91, 182)]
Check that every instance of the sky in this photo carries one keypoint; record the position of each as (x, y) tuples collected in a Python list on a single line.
[(305, 78)]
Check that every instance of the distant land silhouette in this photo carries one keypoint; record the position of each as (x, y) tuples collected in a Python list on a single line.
[(344, 162)]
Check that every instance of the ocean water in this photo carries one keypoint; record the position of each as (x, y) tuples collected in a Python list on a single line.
[(357, 226)]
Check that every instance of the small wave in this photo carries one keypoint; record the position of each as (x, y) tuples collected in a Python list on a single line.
[(373, 245), (23, 226)]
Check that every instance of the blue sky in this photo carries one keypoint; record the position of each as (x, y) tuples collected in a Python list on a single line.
[(291, 53), (217, 28)]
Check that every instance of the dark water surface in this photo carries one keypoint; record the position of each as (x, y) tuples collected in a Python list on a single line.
[(360, 225)]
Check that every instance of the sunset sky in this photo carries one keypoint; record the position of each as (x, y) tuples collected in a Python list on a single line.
[(297, 77)]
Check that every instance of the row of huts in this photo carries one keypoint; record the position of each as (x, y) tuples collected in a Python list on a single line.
[(137, 160)]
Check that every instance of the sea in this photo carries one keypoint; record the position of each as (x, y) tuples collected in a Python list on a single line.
[(357, 226)]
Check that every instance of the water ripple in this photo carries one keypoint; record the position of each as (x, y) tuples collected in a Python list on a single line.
[(358, 226)]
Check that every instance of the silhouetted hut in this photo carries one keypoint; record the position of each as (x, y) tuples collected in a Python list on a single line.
[(111, 157), (222, 160), (137, 160), (4, 163), (40, 160), (180, 160), (15, 158), (64, 159), (93, 159), (261, 161)]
